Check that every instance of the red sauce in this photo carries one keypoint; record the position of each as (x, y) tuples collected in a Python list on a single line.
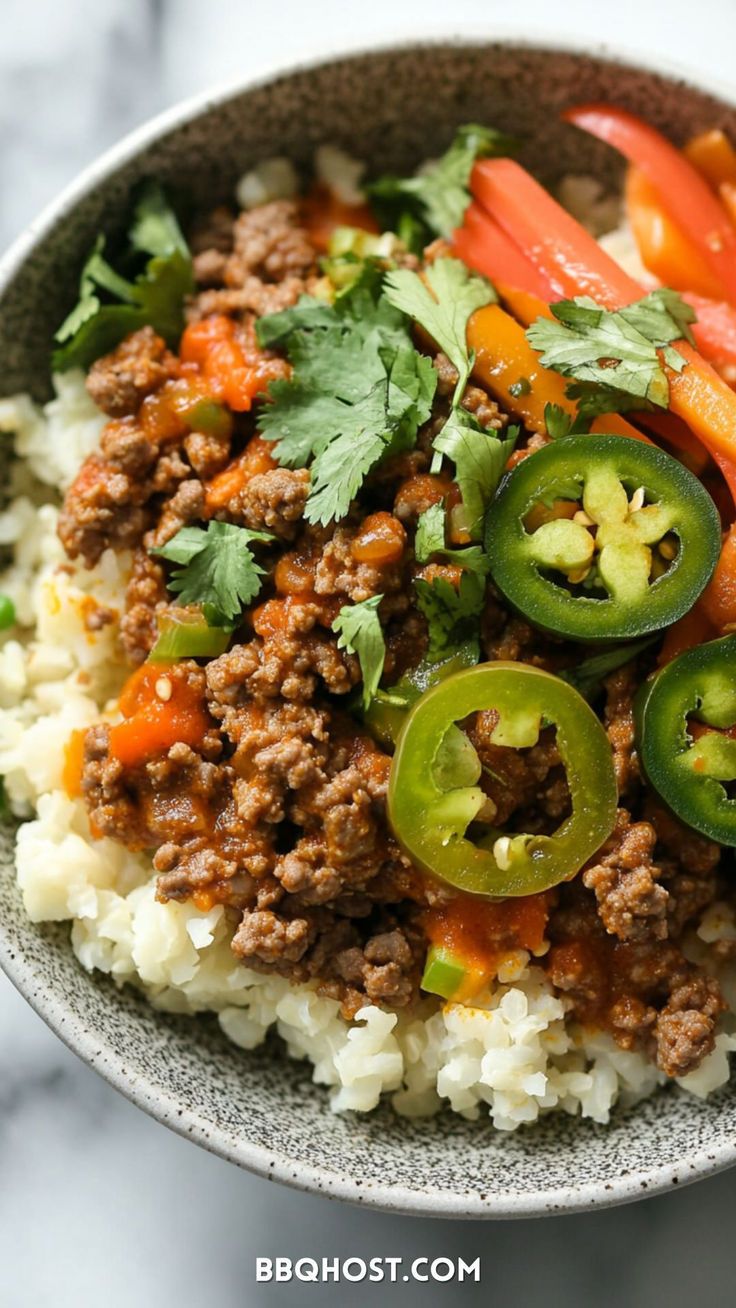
[(322, 212), (480, 932), (153, 724)]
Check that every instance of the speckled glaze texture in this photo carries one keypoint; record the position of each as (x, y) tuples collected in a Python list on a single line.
[(260, 1110)]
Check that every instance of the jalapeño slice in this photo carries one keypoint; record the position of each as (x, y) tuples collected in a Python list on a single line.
[(686, 736), (602, 538), (434, 794)]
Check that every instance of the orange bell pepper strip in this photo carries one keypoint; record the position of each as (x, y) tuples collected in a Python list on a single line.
[(669, 255), (693, 629), (503, 356), (718, 601), (682, 190), (555, 241), (727, 192), (714, 157)]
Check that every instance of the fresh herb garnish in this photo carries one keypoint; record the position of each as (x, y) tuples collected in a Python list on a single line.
[(452, 613), (359, 390), (480, 460), (441, 301), (587, 676), (438, 196), (359, 631), (218, 570), (617, 351), (430, 540), (155, 297)]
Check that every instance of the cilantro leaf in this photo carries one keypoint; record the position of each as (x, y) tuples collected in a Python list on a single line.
[(452, 613), (438, 196), (358, 391), (480, 459), (359, 631), (430, 539), (156, 296), (218, 569), (442, 302), (615, 350)]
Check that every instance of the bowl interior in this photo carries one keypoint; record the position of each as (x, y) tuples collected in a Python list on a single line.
[(260, 1110)]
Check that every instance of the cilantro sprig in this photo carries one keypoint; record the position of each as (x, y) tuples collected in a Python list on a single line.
[(434, 201), (430, 540), (614, 357), (442, 302), (358, 627), (359, 390), (452, 613), (217, 569), (154, 297)]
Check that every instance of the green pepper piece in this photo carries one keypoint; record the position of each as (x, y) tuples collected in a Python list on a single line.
[(385, 715), (208, 416), (430, 820), (691, 772), (443, 973), (594, 577), (7, 612), (187, 635)]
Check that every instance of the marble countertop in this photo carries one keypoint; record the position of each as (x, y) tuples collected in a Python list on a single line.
[(98, 1204)]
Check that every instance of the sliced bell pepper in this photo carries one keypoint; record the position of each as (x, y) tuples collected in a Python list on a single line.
[(682, 719), (187, 634), (503, 356), (430, 815), (683, 192), (713, 156), (665, 251), (553, 239), (593, 577), (483, 244)]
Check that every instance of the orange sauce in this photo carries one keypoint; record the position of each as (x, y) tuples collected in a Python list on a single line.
[(380, 541), (481, 933), (71, 776)]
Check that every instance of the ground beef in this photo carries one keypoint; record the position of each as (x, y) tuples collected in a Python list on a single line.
[(103, 508), (271, 501), (145, 597), (619, 722), (339, 573), (266, 264), (631, 903), (517, 780), (119, 381), (645, 993)]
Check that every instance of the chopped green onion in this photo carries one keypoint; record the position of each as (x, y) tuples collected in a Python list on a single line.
[(7, 612), (188, 636)]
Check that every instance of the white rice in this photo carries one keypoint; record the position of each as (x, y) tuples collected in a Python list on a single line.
[(511, 1055)]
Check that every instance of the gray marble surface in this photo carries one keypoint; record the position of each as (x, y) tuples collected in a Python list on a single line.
[(98, 1204)]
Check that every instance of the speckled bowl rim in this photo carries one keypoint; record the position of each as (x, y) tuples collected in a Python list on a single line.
[(140, 1090)]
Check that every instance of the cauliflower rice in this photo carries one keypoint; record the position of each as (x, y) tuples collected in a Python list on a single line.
[(511, 1055)]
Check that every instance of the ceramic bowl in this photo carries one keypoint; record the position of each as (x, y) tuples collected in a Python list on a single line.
[(391, 107)]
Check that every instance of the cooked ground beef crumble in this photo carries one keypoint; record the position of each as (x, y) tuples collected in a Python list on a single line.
[(279, 811)]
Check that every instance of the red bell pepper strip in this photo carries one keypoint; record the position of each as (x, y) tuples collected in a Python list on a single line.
[(560, 246), (484, 245), (684, 194)]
